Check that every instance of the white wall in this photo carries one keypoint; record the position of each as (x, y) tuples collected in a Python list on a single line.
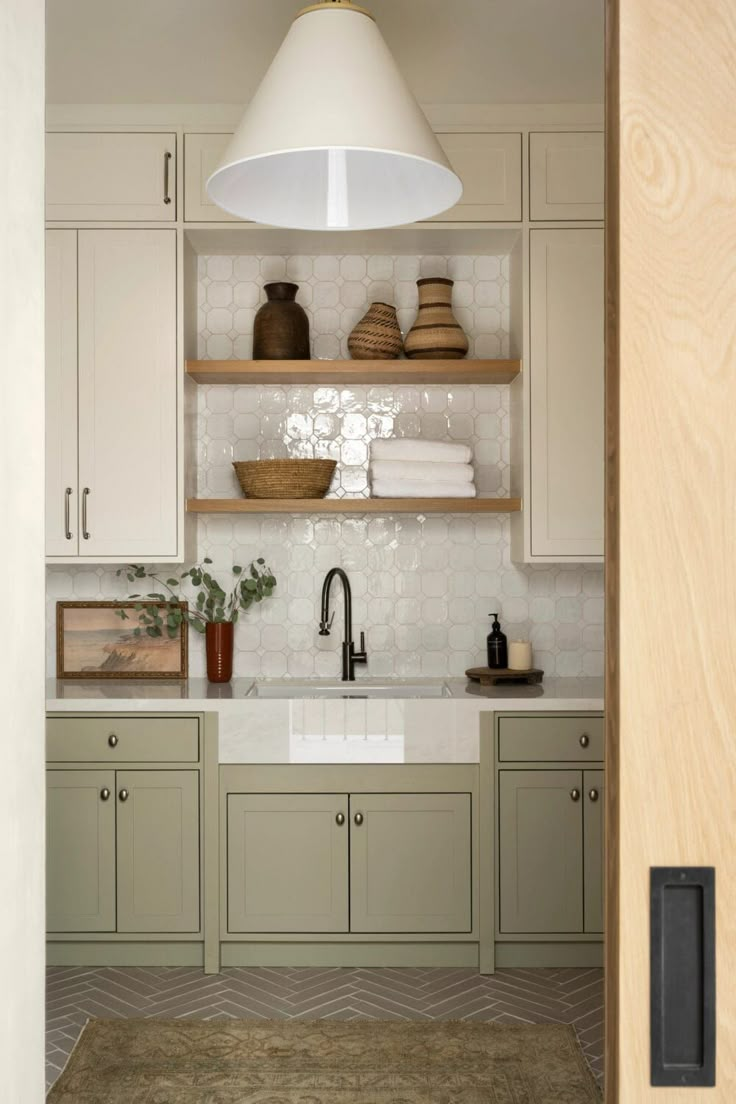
[(21, 510)]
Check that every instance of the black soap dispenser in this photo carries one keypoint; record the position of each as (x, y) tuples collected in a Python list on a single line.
[(498, 651)]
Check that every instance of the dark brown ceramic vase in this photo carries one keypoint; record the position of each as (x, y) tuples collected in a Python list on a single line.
[(281, 329), (219, 646)]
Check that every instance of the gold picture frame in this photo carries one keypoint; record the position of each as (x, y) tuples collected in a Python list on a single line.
[(94, 642)]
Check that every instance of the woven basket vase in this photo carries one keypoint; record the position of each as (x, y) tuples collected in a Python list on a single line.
[(436, 333), (377, 336), (285, 478)]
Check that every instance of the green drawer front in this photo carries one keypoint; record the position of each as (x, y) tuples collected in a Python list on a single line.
[(122, 739), (550, 739)]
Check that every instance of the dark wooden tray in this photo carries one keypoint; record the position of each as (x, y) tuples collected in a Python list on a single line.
[(487, 676)]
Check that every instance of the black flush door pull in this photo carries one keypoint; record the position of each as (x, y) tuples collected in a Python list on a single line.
[(683, 976)]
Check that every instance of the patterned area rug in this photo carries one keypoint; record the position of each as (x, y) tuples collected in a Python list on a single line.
[(324, 1062)]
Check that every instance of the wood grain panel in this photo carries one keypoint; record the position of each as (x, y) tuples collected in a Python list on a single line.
[(671, 693)]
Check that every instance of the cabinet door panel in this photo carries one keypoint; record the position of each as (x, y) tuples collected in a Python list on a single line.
[(109, 177), (594, 853), (158, 851), (287, 863), (128, 392), (489, 166), (540, 852), (61, 393), (80, 851), (566, 176), (202, 153), (566, 382), (410, 862)]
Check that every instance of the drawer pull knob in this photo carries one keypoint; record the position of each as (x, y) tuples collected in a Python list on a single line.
[(340, 820), (358, 818), (575, 794), (112, 740), (593, 795), (123, 795), (584, 740), (104, 794)]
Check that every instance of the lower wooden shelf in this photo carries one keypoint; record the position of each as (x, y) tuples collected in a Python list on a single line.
[(353, 505)]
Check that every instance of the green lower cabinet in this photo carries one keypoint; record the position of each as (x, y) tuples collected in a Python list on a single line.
[(593, 782), (287, 863), (80, 851), (410, 863), (158, 851)]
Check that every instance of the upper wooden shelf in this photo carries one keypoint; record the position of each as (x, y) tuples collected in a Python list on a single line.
[(353, 505), (352, 371)]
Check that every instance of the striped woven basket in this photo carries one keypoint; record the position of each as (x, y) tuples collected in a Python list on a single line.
[(436, 333), (377, 336), (285, 478)]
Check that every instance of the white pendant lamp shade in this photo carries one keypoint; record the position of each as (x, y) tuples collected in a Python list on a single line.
[(333, 138)]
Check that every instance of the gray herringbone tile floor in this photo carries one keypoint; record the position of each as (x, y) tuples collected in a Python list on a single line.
[(76, 994)]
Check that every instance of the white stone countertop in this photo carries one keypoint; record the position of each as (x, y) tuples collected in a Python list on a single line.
[(353, 729)]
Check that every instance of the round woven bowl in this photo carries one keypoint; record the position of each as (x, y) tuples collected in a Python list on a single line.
[(285, 478)]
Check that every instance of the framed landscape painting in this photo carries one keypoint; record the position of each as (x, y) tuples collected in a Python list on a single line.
[(94, 642)]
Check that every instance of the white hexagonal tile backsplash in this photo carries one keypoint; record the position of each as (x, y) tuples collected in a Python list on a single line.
[(422, 587)]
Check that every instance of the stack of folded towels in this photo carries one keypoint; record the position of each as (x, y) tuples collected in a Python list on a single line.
[(420, 469)]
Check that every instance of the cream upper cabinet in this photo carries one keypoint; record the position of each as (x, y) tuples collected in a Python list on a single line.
[(110, 177), (566, 172), (62, 498), (489, 166), (566, 373), (202, 153)]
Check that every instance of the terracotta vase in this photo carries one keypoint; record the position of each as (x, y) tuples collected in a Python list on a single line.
[(281, 329), (377, 336), (219, 646), (436, 333)]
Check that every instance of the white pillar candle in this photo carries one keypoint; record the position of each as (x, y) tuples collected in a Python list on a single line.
[(520, 655)]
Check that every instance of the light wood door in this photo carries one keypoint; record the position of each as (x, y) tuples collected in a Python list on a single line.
[(410, 863), (80, 851), (593, 804), (158, 851), (566, 176), (287, 863), (128, 393), (540, 851), (110, 177), (489, 166), (202, 153), (62, 491), (566, 393)]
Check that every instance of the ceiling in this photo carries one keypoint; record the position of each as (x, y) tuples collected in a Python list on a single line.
[(216, 51)]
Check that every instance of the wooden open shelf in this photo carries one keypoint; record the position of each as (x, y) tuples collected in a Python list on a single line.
[(353, 505), (352, 371)]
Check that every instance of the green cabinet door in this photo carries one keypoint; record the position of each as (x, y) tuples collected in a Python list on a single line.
[(80, 851), (541, 851), (593, 847), (410, 863), (287, 863), (158, 850)]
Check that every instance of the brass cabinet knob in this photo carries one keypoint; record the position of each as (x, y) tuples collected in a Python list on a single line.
[(112, 740), (584, 740), (123, 795), (575, 794), (340, 819), (593, 795), (358, 818), (104, 794)]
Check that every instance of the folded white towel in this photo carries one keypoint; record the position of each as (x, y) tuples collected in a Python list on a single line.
[(425, 471), (414, 488), (394, 448)]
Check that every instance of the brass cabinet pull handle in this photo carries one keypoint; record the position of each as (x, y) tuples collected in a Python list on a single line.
[(584, 740), (112, 740), (67, 500), (123, 795), (593, 795), (85, 496), (104, 794), (358, 818), (575, 794), (167, 162), (340, 820)]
